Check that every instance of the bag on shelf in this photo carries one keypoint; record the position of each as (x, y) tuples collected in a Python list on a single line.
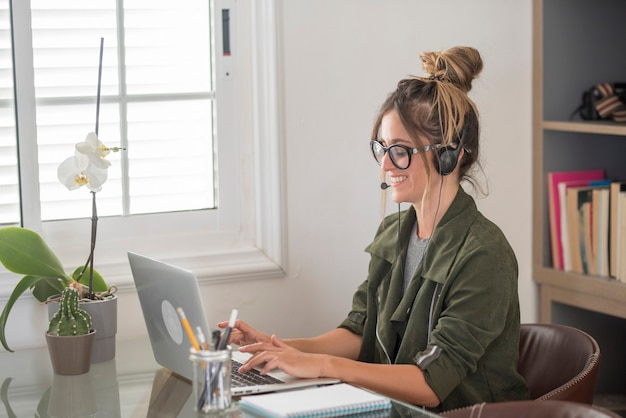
[(605, 101)]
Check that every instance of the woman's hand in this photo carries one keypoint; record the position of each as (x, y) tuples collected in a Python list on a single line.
[(277, 354), (243, 334)]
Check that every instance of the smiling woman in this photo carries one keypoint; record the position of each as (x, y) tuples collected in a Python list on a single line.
[(418, 330)]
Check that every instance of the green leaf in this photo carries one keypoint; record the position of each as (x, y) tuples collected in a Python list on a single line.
[(46, 287), (23, 251), (99, 285), (4, 397), (21, 287)]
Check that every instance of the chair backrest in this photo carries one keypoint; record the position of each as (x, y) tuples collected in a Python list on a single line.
[(531, 409), (558, 362)]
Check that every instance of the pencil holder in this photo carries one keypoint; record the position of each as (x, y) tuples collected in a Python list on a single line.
[(211, 380)]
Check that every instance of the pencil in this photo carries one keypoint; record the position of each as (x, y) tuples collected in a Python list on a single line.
[(185, 322)]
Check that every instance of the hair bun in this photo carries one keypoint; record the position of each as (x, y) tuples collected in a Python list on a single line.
[(459, 65)]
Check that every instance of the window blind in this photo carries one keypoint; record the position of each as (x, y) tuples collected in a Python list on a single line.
[(157, 101)]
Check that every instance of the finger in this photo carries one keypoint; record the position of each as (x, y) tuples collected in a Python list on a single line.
[(278, 342), (238, 324), (252, 362), (236, 337), (257, 347), (269, 366), (242, 325)]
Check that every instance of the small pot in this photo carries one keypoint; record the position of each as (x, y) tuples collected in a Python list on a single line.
[(104, 318), (70, 355)]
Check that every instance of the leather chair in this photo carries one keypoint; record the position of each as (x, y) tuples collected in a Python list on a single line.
[(558, 362), (531, 409)]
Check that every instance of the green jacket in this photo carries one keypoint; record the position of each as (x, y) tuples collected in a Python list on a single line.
[(459, 318)]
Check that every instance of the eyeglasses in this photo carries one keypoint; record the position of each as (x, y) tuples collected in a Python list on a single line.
[(400, 155)]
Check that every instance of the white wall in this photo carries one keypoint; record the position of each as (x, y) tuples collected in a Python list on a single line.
[(340, 59)]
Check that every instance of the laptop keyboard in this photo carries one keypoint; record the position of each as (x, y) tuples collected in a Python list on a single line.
[(250, 378)]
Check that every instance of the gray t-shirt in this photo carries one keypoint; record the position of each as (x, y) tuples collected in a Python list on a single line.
[(414, 256)]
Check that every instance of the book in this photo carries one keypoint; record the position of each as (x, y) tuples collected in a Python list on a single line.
[(337, 400), (615, 189), (565, 239), (578, 226), (556, 202), (585, 223), (600, 230), (621, 238)]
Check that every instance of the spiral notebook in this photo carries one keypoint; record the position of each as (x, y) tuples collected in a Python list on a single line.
[(327, 401)]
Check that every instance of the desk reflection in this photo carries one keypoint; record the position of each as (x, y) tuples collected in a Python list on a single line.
[(171, 397), (70, 397), (130, 386), (94, 394)]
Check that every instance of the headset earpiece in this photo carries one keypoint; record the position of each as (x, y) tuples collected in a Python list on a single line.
[(447, 157)]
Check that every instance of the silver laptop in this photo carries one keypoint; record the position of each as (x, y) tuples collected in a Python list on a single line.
[(162, 288)]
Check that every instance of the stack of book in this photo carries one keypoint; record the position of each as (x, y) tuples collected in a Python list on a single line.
[(588, 223)]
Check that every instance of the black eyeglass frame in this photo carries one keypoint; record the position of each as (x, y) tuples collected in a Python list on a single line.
[(409, 152)]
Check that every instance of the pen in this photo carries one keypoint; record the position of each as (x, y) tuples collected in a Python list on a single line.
[(231, 323), (221, 345), (215, 339), (185, 322), (207, 373), (201, 339)]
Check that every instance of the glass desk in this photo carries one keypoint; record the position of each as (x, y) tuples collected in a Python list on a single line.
[(129, 386)]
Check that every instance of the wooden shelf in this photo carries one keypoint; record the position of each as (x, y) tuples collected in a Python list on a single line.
[(590, 127), (597, 294)]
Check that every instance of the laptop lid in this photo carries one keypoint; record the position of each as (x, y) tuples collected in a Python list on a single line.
[(162, 288)]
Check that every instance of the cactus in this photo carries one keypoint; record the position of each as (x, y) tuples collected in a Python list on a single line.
[(69, 319)]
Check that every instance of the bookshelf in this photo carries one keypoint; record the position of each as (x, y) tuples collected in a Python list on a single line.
[(577, 44)]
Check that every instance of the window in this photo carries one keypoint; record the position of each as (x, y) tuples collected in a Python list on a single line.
[(178, 193), (156, 101)]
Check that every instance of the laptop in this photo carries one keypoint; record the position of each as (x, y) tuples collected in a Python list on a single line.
[(162, 288)]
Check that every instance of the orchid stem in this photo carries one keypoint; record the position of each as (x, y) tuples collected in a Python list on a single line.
[(94, 227), (94, 212), (99, 86)]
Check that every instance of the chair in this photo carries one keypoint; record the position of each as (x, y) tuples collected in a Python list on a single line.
[(531, 409), (558, 362)]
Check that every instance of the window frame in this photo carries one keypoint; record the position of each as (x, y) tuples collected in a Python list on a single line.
[(245, 237)]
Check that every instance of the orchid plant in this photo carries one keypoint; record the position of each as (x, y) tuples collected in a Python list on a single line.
[(23, 251), (88, 167)]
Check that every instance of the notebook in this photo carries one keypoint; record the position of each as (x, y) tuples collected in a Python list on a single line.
[(162, 288), (328, 401)]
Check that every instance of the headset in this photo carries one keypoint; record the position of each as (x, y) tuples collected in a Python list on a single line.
[(447, 157)]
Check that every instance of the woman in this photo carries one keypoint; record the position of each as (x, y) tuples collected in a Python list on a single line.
[(436, 322)]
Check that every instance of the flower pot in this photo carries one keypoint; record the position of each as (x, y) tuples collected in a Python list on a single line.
[(70, 355), (103, 318)]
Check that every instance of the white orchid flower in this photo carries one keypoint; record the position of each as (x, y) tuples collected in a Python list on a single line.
[(95, 150), (80, 170)]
